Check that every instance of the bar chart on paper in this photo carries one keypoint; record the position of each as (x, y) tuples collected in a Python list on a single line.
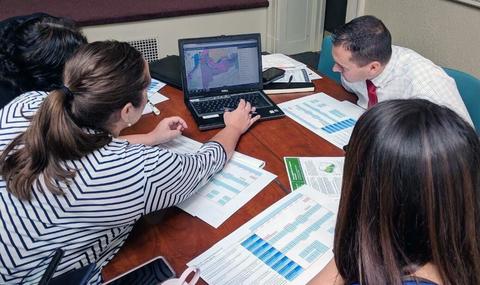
[(228, 190), (325, 116), (240, 180), (286, 244), (225, 186)]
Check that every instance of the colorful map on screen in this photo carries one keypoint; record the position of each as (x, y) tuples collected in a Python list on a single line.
[(212, 68)]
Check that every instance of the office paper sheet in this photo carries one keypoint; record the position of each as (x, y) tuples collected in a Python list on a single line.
[(323, 174), (153, 95), (183, 144), (288, 243), (280, 60), (298, 75), (293, 68), (327, 117), (240, 180)]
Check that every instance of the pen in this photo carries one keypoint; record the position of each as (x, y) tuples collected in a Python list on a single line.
[(154, 109)]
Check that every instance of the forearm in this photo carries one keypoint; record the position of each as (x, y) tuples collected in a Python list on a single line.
[(228, 138), (145, 139)]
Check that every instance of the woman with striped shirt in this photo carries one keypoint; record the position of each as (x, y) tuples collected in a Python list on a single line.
[(69, 181)]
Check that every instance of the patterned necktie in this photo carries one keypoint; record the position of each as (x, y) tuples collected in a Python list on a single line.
[(372, 94)]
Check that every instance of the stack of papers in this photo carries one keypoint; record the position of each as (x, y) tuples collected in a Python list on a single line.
[(288, 243), (327, 117), (240, 180)]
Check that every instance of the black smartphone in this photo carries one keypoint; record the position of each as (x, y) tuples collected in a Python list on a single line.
[(272, 74), (151, 272)]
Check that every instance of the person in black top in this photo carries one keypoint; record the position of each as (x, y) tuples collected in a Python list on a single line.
[(409, 210), (33, 51)]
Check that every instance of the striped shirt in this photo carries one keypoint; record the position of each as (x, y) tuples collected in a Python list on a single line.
[(113, 187), (409, 75)]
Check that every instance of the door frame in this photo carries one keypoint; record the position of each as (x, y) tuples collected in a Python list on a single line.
[(355, 8)]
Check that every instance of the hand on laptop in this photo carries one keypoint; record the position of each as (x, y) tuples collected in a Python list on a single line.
[(240, 118), (237, 122)]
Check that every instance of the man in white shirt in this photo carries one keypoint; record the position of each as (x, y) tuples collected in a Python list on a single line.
[(375, 70)]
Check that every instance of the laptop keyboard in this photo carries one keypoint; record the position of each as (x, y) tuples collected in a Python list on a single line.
[(218, 104)]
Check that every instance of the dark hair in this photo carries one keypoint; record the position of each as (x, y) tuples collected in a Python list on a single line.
[(34, 49), (366, 38), (101, 78), (410, 195)]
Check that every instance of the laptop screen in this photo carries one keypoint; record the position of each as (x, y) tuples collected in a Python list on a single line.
[(224, 64)]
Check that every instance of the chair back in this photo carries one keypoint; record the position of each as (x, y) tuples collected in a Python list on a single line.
[(469, 88), (326, 62)]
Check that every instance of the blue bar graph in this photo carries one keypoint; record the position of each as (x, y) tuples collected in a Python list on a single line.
[(339, 126), (273, 258), (228, 184)]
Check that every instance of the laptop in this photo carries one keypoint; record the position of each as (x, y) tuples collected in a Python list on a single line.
[(219, 71), (167, 70)]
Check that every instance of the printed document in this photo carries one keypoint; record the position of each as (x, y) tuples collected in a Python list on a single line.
[(323, 174), (288, 243), (327, 117), (295, 69), (240, 180), (153, 95)]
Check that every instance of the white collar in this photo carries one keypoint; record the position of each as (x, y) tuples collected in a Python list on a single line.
[(387, 74)]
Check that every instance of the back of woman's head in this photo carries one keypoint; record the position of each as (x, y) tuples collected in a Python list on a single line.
[(410, 196), (34, 50), (103, 77), (99, 80)]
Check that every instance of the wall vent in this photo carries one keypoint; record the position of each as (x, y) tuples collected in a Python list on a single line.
[(148, 48)]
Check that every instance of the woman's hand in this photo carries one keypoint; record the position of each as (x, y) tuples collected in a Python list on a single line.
[(237, 122), (168, 129), (241, 118)]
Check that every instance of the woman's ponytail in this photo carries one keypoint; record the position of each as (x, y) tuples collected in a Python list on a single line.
[(76, 119), (51, 138)]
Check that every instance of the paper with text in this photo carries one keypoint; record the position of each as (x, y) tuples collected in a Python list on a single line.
[(325, 116), (280, 60), (182, 144), (295, 69), (288, 243), (323, 174), (153, 95), (240, 180)]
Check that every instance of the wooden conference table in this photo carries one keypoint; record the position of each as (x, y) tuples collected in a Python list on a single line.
[(180, 237)]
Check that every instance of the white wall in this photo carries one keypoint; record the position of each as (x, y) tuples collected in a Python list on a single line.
[(444, 31), (169, 30)]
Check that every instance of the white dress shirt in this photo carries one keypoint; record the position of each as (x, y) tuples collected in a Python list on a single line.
[(409, 75)]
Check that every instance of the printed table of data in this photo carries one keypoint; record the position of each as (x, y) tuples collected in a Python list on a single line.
[(228, 190), (329, 118), (286, 244)]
